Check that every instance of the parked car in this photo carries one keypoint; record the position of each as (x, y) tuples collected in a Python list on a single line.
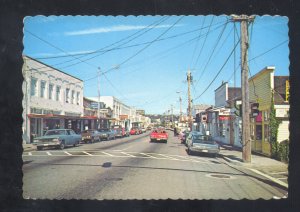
[(125, 132), (197, 142), (90, 136), (59, 138), (117, 129), (106, 134), (159, 135)]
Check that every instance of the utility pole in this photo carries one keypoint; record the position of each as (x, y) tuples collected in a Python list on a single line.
[(189, 81), (180, 101), (172, 114), (244, 20), (98, 115)]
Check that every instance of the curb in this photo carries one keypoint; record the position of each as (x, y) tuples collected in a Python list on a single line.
[(232, 161)]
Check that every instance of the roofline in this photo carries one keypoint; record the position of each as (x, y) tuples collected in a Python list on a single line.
[(221, 85), (267, 68), (51, 67)]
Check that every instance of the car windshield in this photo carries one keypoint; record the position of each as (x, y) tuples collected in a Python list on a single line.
[(55, 132), (203, 139)]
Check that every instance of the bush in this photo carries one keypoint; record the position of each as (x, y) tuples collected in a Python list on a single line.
[(283, 151)]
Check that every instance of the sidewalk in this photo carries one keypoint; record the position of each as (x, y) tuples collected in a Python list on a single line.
[(261, 165)]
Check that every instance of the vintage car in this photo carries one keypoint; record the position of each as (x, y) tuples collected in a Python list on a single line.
[(117, 129), (135, 131), (59, 138), (197, 142), (159, 135), (106, 134), (90, 136)]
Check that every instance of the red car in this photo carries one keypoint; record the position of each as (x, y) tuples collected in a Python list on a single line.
[(135, 131), (159, 135)]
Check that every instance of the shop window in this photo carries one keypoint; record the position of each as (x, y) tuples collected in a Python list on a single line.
[(43, 88), (258, 132), (33, 86), (50, 91)]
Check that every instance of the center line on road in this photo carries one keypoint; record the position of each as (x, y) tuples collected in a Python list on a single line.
[(87, 153), (107, 154), (279, 172), (148, 155), (48, 153), (282, 178), (168, 157), (128, 154), (67, 153)]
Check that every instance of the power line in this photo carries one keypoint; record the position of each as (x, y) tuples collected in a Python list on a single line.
[(204, 42), (218, 72), (216, 44)]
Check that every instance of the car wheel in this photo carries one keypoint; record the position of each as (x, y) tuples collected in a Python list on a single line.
[(62, 145), (189, 151), (93, 140), (39, 148)]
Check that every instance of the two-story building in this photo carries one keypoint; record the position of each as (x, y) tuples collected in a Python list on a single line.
[(52, 99), (264, 88)]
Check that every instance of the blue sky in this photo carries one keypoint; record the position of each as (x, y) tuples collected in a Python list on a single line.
[(145, 58)]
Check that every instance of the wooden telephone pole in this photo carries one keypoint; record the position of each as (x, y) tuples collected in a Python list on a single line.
[(190, 118), (244, 20)]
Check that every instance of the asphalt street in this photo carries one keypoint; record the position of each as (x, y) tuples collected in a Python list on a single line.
[(134, 168)]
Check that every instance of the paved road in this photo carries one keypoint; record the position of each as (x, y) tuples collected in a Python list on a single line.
[(134, 168)]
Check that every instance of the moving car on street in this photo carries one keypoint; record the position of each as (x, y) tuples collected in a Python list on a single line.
[(106, 134), (159, 135), (135, 131), (59, 138), (197, 142), (90, 136)]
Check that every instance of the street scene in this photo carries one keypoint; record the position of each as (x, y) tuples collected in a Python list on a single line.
[(155, 107)]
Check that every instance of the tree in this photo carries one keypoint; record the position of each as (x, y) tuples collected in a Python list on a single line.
[(274, 124)]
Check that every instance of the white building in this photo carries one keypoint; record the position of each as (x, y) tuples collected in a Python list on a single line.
[(120, 112), (52, 99)]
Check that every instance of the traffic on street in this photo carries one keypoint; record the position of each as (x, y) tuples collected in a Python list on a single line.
[(136, 168)]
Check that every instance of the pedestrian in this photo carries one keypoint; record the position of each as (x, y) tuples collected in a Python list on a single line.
[(175, 131)]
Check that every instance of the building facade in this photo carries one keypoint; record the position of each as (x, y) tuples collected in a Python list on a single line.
[(52, 99), (264, 88)]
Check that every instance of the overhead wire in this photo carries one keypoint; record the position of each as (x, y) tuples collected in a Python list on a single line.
[(218, 71)]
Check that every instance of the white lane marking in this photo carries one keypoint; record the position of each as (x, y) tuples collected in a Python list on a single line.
[(107, 154), (148, 155), (128, 154), (48, 153), (29, 153), (269, 177), (87, 153), (67, 153), (168, 157)]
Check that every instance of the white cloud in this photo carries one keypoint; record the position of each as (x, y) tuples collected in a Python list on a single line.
[(117, 28)]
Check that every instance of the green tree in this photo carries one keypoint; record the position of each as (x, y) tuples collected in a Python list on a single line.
[(274, 124)]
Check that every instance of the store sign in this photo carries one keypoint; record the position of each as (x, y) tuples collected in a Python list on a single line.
[(123, 117), (222, 118)]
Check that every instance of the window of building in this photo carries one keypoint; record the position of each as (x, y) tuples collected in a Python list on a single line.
[(67, 95), (266, 132), (33, 86), (78, 98), (57, 93), (43, 88), (50, 91), (73, 97), (258, 132)]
